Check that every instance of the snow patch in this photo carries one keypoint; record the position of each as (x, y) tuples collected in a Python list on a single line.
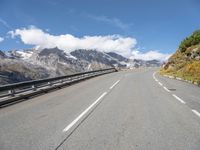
[(25, 55)]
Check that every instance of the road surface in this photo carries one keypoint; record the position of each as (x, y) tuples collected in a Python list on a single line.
[(130, 110)]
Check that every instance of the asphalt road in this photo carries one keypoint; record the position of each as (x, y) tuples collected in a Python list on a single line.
[(136, 110)]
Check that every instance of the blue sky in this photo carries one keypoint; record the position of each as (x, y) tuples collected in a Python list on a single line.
[(156, 24)]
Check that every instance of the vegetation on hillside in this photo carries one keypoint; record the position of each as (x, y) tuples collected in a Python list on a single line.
[(185, 63), (190, 41)]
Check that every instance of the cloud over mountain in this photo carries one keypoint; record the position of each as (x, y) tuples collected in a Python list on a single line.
[(150, 55), (109, 43)]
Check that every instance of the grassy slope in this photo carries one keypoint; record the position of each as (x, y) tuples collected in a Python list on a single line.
[(183, 64)]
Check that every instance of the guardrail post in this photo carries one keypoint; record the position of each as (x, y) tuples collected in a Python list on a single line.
[(49, 83), (33, 87), (82, 76), (11, 92)]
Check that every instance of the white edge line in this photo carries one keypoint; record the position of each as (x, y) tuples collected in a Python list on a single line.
[(114, 84), (179, 99), (196, 112), (155, 77), (154, 74), (160, 84), (166, 89), (83, 113)]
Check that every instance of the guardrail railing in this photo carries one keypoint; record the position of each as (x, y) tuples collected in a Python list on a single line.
[(12, 93)]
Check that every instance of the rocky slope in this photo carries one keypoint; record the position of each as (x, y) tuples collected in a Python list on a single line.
[(14, 70), (97, 59), (2, 55), (185, 63)]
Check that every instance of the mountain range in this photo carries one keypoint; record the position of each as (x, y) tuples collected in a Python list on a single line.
[(30, 64)]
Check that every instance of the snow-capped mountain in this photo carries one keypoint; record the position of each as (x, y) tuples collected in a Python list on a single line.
[(16, 70), (136, 63), (97, 59), (21, 65), (57, 61), (20, 54), (118, 57)]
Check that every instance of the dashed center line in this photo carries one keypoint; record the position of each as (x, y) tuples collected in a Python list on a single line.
[(114, 84), (196, 112), (83, 113), (166, 89), (154, 74), (67, 128), (160, 83), (179, 99)]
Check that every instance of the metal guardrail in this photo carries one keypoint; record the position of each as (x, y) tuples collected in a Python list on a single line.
[(3, 76), (12, 93)]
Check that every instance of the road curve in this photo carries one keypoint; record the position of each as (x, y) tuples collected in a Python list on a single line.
[(136, 109)]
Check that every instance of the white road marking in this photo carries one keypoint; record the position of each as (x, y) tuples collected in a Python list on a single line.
[(83, 113), (157, 79), (171, 77), (160, 83), (179, 79), (166, 89), (154, 74), (196, 112), (114, 84), (179, 99)]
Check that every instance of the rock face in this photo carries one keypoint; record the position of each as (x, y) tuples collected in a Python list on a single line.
[(97, 59), (57, 62), (185, 63), (118, 57), (13, 70), (2, 54)]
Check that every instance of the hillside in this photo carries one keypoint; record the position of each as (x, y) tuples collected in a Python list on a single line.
[(185, 63)]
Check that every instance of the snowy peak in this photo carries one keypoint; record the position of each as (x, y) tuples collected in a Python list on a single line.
[(118, 57), (55, 51), (98, 57), (20, 54), (21, 65)]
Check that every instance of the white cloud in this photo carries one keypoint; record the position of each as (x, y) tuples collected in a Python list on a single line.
[(68, 42), (109, 43), (112, 21), (12, 34), (150, 55), (1, 39), (4, 23)]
